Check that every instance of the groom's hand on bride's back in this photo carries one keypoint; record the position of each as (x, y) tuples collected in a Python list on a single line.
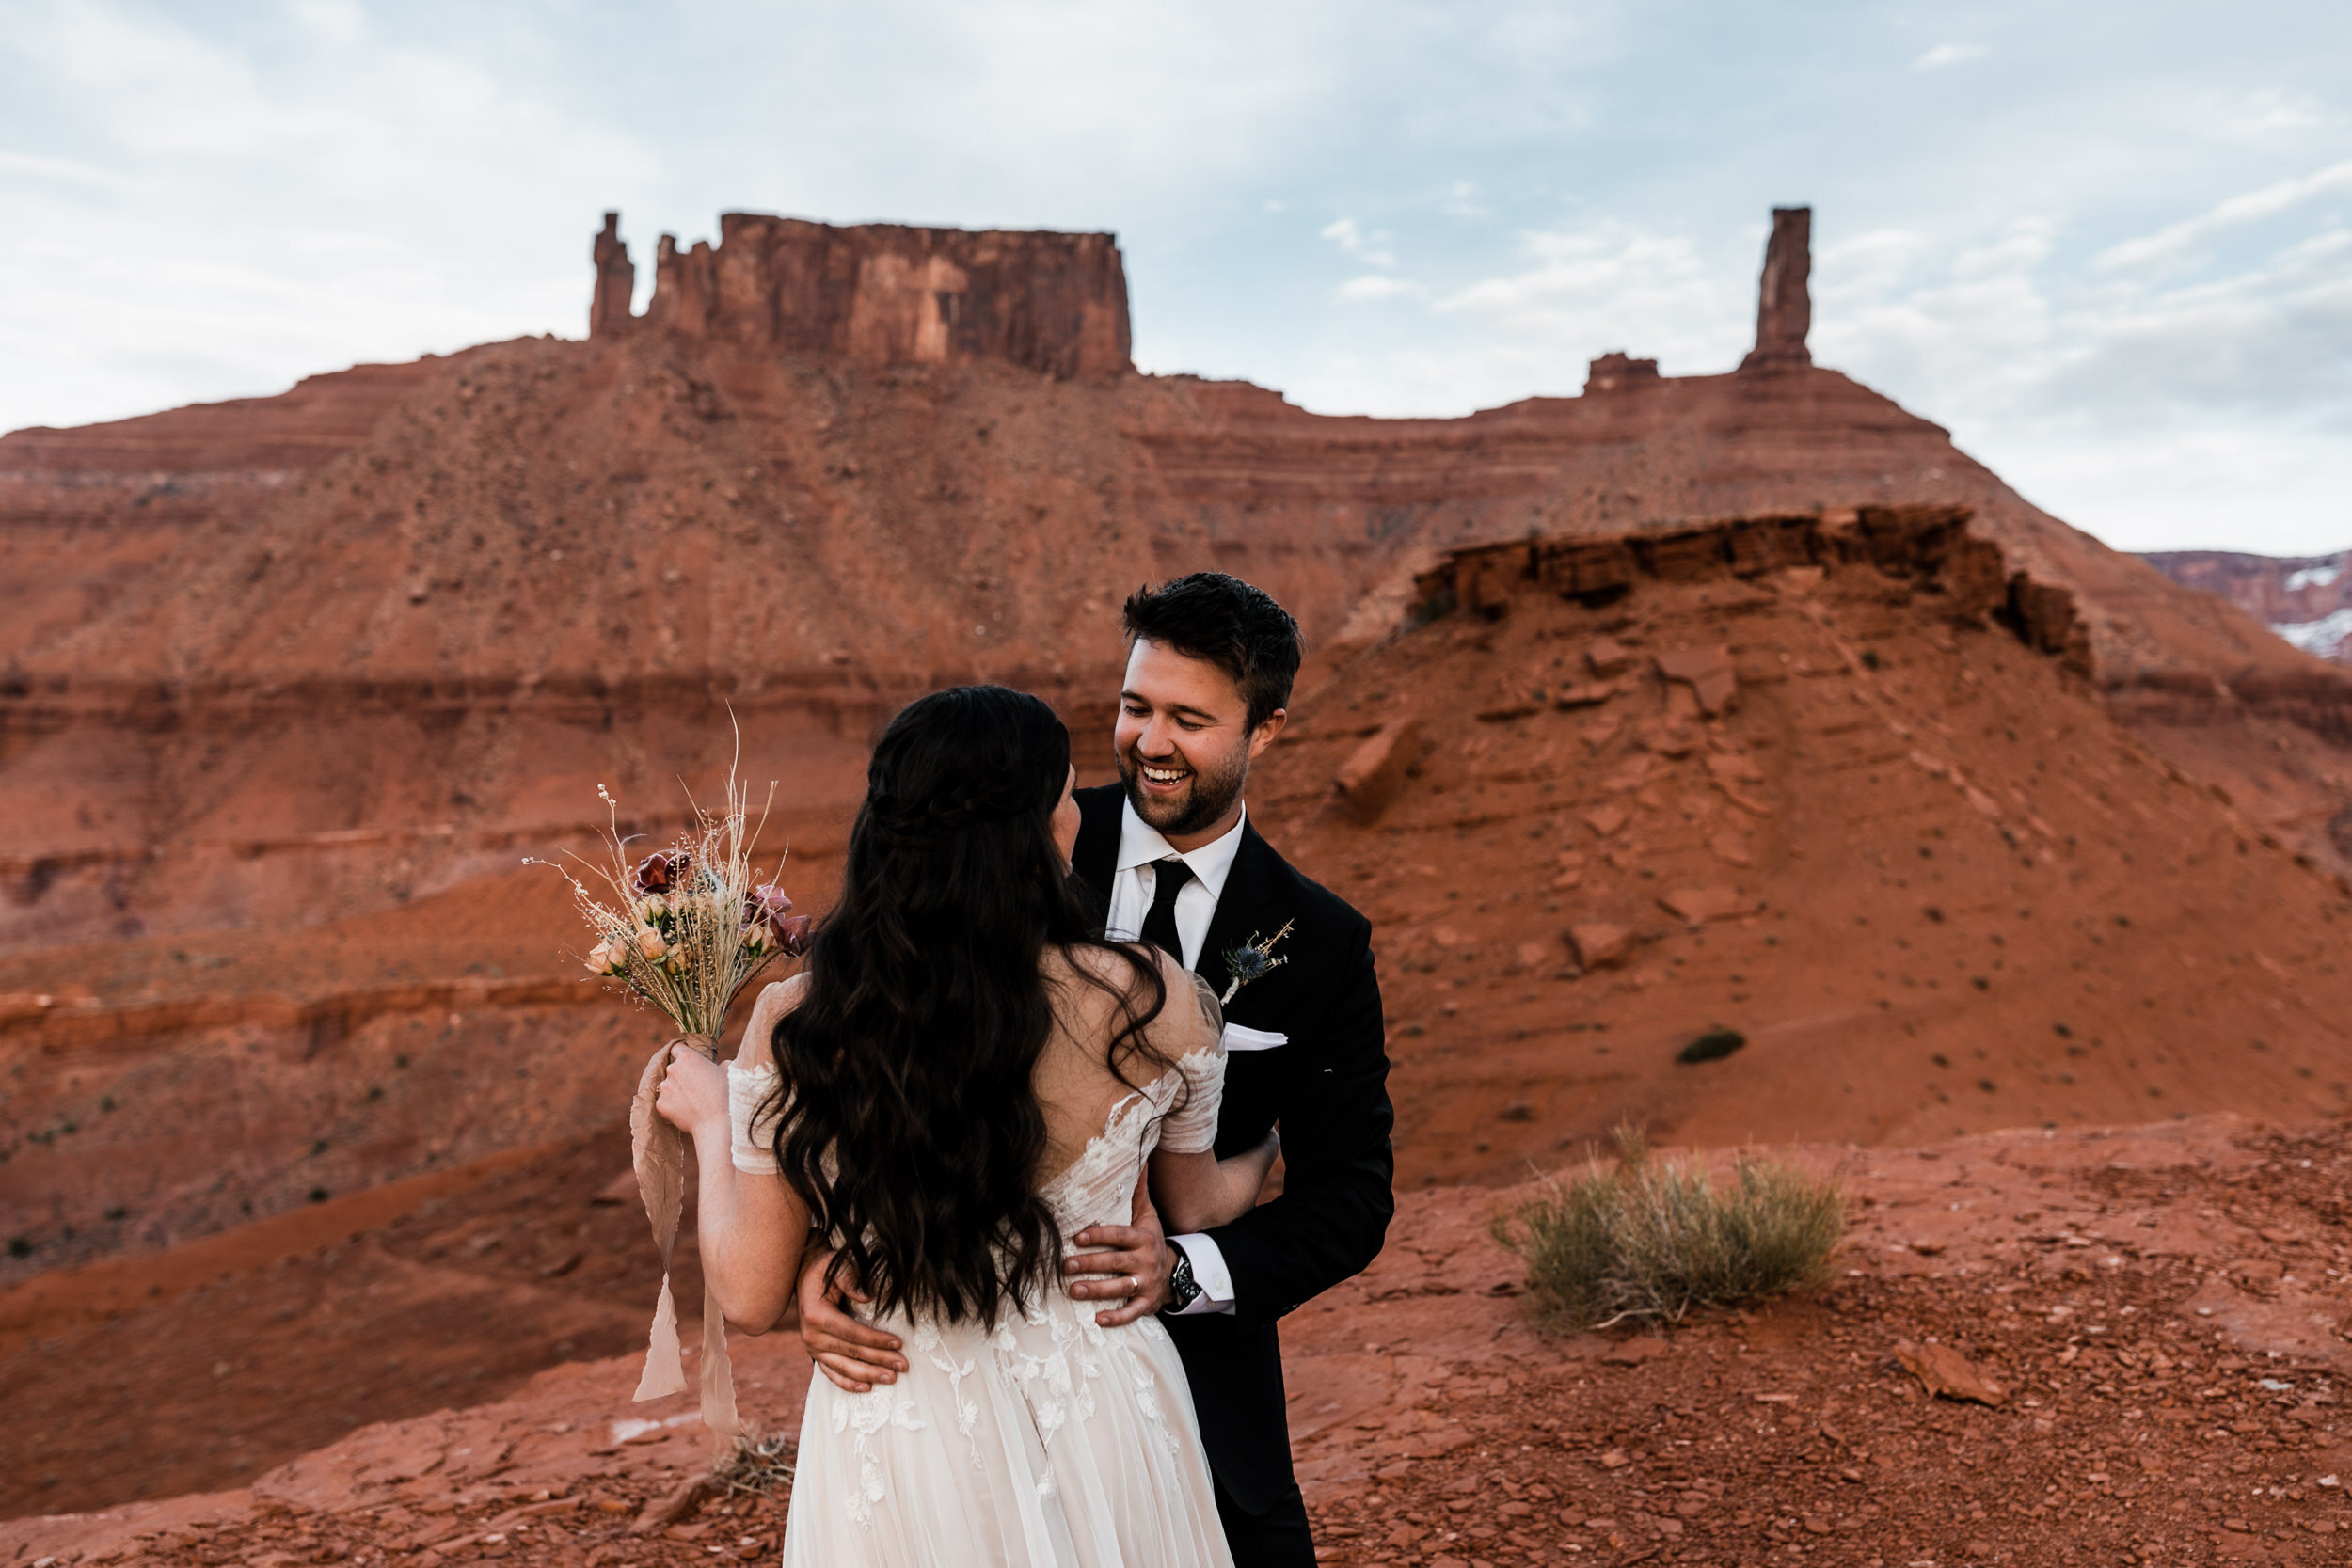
[(1139, 1263), (854, 1355)]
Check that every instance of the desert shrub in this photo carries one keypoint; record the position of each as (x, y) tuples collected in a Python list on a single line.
[(1646, 1241), (759, 1464)]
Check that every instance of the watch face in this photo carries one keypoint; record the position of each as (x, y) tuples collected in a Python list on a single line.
[(1180, 1281)]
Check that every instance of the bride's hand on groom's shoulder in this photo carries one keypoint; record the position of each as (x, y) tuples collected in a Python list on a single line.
[(693, 1090)]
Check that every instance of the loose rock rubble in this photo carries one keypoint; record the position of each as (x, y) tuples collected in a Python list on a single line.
[(2162, 1309)]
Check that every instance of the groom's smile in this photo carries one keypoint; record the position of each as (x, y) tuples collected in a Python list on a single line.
[(1184, 743), (1166, 777)]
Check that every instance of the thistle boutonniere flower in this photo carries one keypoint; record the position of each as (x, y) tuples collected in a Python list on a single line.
[(1253, 959)]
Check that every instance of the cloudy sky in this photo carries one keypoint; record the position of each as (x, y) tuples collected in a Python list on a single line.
[(2108, 245)]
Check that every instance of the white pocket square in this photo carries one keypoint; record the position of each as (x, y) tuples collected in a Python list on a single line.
[(1240, 1038)]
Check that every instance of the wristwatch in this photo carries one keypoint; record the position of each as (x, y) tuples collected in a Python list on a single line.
[(1181, 1287)]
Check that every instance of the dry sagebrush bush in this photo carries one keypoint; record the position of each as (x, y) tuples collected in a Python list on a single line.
[(759, 1464), (1645, 1241)]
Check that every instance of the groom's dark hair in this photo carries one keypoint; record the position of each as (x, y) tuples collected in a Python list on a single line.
[(1227, 622)]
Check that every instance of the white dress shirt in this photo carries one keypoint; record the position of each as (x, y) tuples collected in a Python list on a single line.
[(1133, 883), (1135, 880)]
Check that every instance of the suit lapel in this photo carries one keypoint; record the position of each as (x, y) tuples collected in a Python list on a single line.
[(1244, 909)]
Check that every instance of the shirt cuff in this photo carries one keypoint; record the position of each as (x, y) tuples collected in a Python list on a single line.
[(1208, 1272)]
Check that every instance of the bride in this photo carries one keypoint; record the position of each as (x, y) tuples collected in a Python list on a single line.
[(966, 1076)]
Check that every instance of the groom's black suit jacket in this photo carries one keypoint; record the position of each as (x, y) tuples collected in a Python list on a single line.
[(1328, 1089)]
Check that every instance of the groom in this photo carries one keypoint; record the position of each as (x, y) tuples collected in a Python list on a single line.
[(1170, 848)]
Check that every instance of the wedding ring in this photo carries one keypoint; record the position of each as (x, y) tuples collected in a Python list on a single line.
[(1134, 1285)]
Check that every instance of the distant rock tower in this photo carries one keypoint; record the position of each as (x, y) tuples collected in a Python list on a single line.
[(617, 282), (1617, 372), (1784, 307), (883, 293)]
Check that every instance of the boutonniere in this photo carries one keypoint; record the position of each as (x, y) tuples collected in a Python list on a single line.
[(1253, 959)]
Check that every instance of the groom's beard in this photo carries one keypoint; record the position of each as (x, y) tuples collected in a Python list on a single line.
[(1205, 797)]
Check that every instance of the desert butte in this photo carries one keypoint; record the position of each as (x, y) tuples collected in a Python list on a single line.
[(1738, 707)]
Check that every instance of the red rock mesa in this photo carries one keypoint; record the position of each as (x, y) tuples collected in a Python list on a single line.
[(290, 684), (883, 293)]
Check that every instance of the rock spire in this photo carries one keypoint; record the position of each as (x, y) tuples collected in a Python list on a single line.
[(1784, 307), (617, 282)]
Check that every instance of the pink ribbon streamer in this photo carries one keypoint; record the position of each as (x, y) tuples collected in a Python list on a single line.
[(657, 1151)]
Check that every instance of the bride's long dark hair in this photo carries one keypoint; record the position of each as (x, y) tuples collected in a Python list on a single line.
[(911, 1129)]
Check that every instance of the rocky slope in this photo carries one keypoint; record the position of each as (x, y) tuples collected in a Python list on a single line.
[(1838, 787), (290, 686), (1890, 773), (2156, 1315), (425, 601)]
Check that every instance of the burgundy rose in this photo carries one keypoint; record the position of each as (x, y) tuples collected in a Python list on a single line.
[(792, 935), (658, 873), (766, 902)]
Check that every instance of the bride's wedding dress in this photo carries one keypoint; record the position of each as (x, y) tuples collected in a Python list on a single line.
[(1045, 1439)]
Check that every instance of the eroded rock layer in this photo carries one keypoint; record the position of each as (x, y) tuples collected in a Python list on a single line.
[(288, 686), (1791, 823)]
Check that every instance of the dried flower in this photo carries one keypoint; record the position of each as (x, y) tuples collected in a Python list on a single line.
[(792, 933), (688, 927), (1253, 960)]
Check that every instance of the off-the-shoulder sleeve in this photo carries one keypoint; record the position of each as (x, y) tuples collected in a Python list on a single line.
[(1191, 1128), (775, 1000), (753, 1107)]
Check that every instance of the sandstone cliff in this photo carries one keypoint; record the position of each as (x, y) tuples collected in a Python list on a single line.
[(883, 293), (283, 681)]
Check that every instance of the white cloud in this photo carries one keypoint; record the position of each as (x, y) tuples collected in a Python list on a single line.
[(210, 201), (1610, 279), (1368, 249), (2215, 411), (2271, 201), (1462, 202), (35, 165), (1376, 286), (1946, 55)]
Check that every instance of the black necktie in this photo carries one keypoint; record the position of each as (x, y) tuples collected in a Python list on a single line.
[(1159, 926)]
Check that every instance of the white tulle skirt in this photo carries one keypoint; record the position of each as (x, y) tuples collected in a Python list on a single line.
[(1047, 1440)]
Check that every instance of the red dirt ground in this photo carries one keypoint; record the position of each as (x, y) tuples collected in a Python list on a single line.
[(2161, 1308), (291, 684)]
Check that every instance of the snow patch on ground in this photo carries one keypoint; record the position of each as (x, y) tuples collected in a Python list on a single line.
[(2322, 637)]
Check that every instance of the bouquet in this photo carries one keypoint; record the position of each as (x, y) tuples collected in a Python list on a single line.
[(684, 928)]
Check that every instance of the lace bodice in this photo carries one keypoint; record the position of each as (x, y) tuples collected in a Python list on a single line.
[(1179, 1109), (1097, 1187)]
